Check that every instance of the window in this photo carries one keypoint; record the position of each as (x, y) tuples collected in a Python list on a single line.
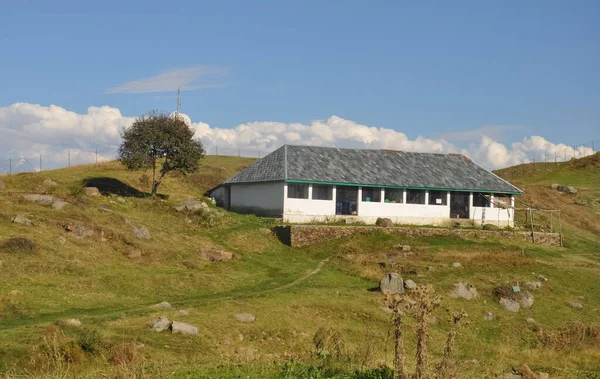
[(321, 192), (393, 195), (502, 200), (297, 191), (438, 198), (370, 194), (481, 199), (415, 197)]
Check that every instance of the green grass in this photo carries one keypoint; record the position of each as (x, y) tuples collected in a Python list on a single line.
[(94, 280)]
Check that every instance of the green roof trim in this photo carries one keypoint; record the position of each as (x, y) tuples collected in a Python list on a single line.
[(398, 187)]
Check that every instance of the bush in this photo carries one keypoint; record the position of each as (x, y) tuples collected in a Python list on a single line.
[(20, 245), (123, 354)]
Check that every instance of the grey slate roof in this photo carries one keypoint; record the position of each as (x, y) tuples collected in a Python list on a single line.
[(372, 167)]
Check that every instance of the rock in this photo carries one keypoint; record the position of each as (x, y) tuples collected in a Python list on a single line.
[(214, 255), (456, 265), (465, 291), (581, 202), (384, 222), (91, 191), (162, 305), (402, 247), (134, 253), (510, 376), (488, 316), (49, 183), (510, 305), (104, 208), (190, 205), (526, 371), (490, 227), (59, 204), (159, 324), (387, 309), (533, 285), (526, 299), (2, 185), (182, 313), (183, 328), (429, 268), (542, 278), (40, 199), (555, 186), (530, 320), (266, 231), (72, 322), (240, 337), (22, 220), (245, 317), (121, 200), (82, 231), (543, 375), (576, 305), (140, 232), (567, 189), (409, 284), (15, 293), (392, 283)]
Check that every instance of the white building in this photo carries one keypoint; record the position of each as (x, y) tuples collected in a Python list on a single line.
[(303, 184)]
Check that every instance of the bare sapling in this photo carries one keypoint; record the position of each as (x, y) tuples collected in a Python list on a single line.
[(447, 367)]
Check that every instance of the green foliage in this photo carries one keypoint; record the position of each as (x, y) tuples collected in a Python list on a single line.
[(160, 138)]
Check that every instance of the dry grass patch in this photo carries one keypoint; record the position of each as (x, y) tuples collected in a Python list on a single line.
[(20, 245)]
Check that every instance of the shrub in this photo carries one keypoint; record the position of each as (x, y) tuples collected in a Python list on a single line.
[(123, 354), (20, 245), (328, 342)]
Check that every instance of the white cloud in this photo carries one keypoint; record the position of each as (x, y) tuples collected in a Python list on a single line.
[(474, 135), (184, 78), (30, 130)]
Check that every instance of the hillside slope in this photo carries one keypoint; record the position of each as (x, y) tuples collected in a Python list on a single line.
[(86, 262)]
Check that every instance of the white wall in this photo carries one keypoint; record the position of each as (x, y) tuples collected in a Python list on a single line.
[(308, 209), (261, 199)]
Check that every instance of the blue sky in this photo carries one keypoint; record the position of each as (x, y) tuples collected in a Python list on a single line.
[(426, 68)]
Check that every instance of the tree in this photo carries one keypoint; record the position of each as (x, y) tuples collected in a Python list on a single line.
[(156, 138)]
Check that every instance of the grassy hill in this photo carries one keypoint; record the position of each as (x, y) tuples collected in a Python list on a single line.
[(111, 279)]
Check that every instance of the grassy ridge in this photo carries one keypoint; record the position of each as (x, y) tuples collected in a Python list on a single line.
[(95, 279)]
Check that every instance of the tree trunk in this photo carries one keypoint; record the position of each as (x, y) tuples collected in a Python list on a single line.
[(399, 346), (422, 334), (154, 184)]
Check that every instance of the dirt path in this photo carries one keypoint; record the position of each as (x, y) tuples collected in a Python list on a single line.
[(302, 278)]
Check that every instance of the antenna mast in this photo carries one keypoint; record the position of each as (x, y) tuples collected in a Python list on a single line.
[(178, 99)]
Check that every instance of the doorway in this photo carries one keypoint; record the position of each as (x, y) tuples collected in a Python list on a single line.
[(459, 205), (346, 201)]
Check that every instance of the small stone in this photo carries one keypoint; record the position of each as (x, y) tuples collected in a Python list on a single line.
[(91, 191), (543, 375), (429, 268), (214, 255), (465, 291), (510, 376), (15, 293), (162, 305), (40, 199), (183, 328), (384, 222), (22, 220), (387, 309), (391, 283), (72, 322), (159, 324), (409, 284), (567, 189), (140, 232), (134, 253), (581, 202), (82, 231), (576, 305), (533, 285), (182, 313), (240, 337), (121, 200), (245, 317), (488, 316), (456, 265), (510, 305), (190, 205), (104, 208), (530, 320), (59, 204), (526, 299), (555, 186), (266, 231), (542, 278)]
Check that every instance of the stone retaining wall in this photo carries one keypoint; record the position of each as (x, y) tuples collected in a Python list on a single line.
[(303, 235)]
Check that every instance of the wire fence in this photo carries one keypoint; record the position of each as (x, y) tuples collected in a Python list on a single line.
[(78, 157)]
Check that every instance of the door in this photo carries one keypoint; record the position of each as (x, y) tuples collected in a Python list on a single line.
[(459, 205), (346, 199)]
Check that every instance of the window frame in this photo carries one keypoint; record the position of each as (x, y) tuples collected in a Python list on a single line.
[(297, 185), (376, 195), (481, 198), (396, 190), (325, 186), (422, 192), (444, 197)]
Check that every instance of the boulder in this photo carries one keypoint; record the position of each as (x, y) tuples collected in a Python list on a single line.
[(159, 324), (533, 285), (81, 231), (40, 199), (464, 290), (190, 205), (576, 305), (384, 222), (214, 255), (488, 316), (555, 186), (409, 284), (183, 328), (392, 283), (72, 322), (140, 232), (2, 185), (59, 204), (526, 299), (490, 227), (22, 220), (567, 189), (510, 305), (91, 191), (162, 305), (49, 183), (245, 317)]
